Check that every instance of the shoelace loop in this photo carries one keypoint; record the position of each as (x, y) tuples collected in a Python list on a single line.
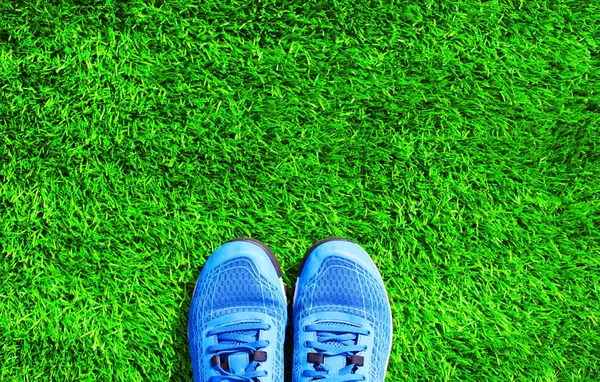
[(237, 339), (335, 339)]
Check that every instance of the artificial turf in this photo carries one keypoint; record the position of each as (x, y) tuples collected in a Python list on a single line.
[(457, 141)]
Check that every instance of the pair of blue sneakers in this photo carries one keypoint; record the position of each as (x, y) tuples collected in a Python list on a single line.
[(238, 316)]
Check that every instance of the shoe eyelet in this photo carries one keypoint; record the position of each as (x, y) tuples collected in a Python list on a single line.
[(305, 328), (306, 343)]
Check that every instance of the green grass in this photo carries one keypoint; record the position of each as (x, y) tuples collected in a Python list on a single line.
[(457, 141)]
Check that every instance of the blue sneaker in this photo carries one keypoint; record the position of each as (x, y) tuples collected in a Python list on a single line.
[(238, 315), (342, 316)]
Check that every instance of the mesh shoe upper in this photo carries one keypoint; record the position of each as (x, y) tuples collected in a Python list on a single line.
[(231, 289), (341, 284)]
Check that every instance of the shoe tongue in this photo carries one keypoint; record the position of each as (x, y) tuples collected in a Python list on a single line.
[(335, 364), (338, 362), (238, 362)]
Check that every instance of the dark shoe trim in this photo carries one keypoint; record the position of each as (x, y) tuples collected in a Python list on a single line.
[(315, 358), (258, 356), (355, 360), (315, 245), (221, 361), (264, 248)]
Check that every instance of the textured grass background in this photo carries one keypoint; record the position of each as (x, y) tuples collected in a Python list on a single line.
[(457, 141)]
